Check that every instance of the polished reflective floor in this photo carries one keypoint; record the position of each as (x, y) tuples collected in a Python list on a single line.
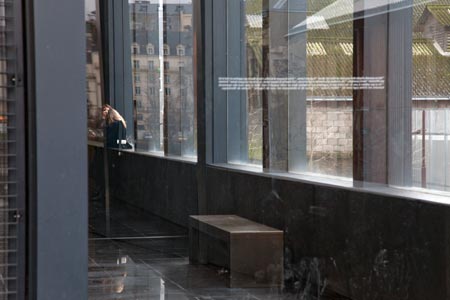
[(140, 256)]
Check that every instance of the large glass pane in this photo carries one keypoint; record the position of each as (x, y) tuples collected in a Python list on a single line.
[(161, 36), (329, 57), (253, 15), (93, 74), (146, 61), (431, 75), (281, 113)]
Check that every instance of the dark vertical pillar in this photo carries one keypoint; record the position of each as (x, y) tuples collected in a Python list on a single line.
[(382, 118), (117, 59), (219, 12), (204, 55), (358, 101), (275, 102), (370, 106), (166, 109), (237, 144), (61, 150), (266, 159), (202, 19)]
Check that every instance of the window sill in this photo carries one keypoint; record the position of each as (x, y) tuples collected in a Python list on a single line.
[(95, 144), (410, 193), (187, 159)]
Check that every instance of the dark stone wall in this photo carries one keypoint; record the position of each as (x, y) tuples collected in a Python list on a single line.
[(360, 245), (163, 187), (357, 244)]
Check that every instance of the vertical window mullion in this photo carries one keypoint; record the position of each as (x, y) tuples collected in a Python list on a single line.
[(237, 150), (219, 70), (275, 102), (297, 159)]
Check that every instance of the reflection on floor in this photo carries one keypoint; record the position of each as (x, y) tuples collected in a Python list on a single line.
[(147, 258)]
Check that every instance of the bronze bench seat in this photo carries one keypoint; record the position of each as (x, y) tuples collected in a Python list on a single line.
[(251, 252)]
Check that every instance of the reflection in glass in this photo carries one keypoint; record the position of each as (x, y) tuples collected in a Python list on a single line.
[(329, 123), (253, 11), (305, 131), (161, 33), (93, 74), (431, 100)]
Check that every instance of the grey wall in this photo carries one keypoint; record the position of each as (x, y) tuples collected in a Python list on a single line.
[(361, 245), (61, 161)]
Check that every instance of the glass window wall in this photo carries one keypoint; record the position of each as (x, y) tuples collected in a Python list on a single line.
[(93, 73), (166, 118), (348, 89)]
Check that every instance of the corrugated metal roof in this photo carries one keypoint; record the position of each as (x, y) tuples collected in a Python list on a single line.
[(422, 48), (441, 13), (347, 48), (315, 48)]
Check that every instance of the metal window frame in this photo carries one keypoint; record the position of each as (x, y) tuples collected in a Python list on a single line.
[(116, 58), (223, 53), (202, 61)]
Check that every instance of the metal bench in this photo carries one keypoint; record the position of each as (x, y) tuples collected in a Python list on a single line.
[(252, 253)]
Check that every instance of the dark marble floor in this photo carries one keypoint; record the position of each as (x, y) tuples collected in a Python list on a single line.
[(140, 256)]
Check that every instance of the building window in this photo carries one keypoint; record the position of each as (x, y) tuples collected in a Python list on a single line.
[(135, 49), (137, 91), (151, 91), (166, 65), (137, 78), (151, 65), (150, 49), (166, 49), (136, 64), (167, 91), (166, 79), (180, 50)]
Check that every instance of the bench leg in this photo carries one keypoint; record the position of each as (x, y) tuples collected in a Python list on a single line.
[(256, 261), (198, 247)]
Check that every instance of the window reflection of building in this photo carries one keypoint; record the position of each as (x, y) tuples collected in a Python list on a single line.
[(329, 115), (178, 85), (93, 77), (150, 49)]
